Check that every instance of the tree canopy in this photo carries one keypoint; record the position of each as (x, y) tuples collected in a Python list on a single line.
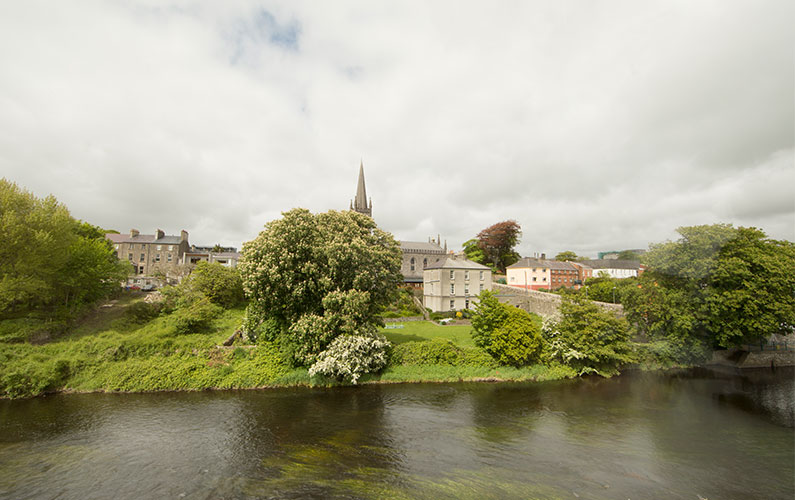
[(566, 256), (717, 285), (313, 277), (494, 245), (48, 259)]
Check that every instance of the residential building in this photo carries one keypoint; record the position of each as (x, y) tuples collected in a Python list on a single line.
[(529, 273), (583, 273), (454, 283), (150, 254), (614, 268), (226, 256)]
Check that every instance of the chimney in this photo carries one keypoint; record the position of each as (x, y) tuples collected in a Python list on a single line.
[(159, 234), (133, 233), (183, 236)]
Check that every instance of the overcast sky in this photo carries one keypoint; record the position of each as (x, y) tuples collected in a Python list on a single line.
[(596, 125)]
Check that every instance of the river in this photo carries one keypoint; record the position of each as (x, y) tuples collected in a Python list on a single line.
[(685, 434)]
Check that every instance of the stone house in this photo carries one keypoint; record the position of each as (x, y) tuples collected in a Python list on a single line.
[(454, 283), (150, 254)]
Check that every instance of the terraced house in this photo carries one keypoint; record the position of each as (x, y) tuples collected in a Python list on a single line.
[(150, 254)]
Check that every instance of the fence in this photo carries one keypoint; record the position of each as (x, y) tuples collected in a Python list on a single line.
[(772, 346)]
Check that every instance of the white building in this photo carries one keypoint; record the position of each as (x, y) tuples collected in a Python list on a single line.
[(614, 268), (454, 284)]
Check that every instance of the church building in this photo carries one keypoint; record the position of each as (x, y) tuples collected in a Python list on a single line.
[(417, 255)]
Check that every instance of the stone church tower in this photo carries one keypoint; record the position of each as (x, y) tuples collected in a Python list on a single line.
[(360, 203)]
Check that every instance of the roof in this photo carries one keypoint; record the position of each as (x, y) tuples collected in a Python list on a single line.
[(543, 263), (454, 263), (612, 264), (144, 238), (420, 247), (360, 203)]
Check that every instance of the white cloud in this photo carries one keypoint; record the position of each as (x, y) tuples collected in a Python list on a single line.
[(595, 126)]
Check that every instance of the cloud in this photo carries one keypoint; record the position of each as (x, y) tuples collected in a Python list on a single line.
[(595, 126)]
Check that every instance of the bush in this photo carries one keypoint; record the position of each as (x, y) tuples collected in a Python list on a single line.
[(194, 313), (348, 357), (439, 352), (221, 284), (517, 341), (141, 312), (588, 338)]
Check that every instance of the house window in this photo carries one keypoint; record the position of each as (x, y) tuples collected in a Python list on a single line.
[(170, 248), (544, 270), (466, 289), (168, 258), (481, 287), (452, 304), (412, 263), (534, 278), (138, 281), (129, 257), (466, 275), (452, 274), (452, 289), (544, 278), (143, 257), (159, 247), (481, 275), (466, 304), (424, 263), (513, 278), (157, 258)]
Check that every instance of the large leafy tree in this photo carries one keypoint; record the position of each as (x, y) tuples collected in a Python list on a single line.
[(717, 286), (495, 245), (313, 277), (566, 256), (49, 260)]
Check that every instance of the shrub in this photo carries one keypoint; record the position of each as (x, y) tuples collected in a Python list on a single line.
[(348, 357), (439, 352), (141, 312), (221, 284), (589, 339), (517, 341), (194, 313)]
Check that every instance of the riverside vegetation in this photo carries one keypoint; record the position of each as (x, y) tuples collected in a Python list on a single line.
[(306, 307)]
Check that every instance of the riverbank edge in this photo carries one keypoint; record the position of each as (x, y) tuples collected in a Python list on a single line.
[(372, 382)]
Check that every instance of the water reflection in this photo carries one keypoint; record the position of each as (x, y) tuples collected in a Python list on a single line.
[(643, 435)]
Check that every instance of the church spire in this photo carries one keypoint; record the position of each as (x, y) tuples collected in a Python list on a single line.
[(360, 203)]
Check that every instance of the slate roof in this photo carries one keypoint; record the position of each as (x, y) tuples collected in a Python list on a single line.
[(453, 263), (420, 247), (612, 264), (144, 238), (543, 263)]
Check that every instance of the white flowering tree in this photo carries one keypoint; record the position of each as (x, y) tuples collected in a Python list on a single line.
[(312, 277)]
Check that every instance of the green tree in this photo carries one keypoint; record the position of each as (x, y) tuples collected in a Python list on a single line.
[(319, 276), (49, 260), (588, 338), (222, 285), (566, 256), (717, 286), (474, 253), (628, 255), (496, 243), (512, 336)]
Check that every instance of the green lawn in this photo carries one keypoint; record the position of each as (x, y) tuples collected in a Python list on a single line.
[(426, 330)]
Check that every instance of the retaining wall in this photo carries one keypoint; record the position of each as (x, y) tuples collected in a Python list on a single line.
[(545, 304)]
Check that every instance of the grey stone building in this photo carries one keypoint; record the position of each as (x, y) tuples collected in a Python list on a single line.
[(454, 284), (150, 254), (417, 256)]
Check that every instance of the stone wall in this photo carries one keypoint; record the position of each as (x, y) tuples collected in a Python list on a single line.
[(545, 304)]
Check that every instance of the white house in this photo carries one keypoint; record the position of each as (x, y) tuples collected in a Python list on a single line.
[(454, 283)]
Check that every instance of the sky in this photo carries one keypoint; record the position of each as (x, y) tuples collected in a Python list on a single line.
[(596, 125)]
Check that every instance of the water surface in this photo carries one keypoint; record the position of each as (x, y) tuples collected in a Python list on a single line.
[(680, 434)]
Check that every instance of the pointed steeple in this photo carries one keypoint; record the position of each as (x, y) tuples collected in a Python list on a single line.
[(360, 203)]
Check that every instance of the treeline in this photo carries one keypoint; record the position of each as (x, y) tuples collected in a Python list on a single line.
[(51, 264)]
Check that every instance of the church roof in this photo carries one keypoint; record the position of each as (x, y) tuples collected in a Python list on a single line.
[(360, 203), (421, 247)]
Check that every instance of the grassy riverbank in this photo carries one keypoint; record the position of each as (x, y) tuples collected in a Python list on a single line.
[(109, 350)]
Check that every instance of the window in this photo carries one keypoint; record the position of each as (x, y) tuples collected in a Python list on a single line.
[(170, 248), (534, 269), (129, 256), (452, 289), (481, 275), (481, 287), (466, 304), (168, 258), (157, 258), (452, 274), (143, 257), (117, 247), (544, 270), (534, 278), (424, 263), (159, 247), (452, 304), (466, 289), (412, 263), (544, 278), (513, 278), (466, 275)]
